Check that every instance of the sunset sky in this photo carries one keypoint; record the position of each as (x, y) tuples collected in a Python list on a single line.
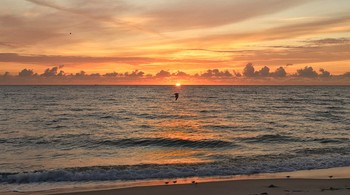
[(191, 37)]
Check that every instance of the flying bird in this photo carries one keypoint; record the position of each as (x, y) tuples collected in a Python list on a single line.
[(176, 96)]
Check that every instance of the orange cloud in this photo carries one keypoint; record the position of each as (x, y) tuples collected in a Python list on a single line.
[(190, 36)]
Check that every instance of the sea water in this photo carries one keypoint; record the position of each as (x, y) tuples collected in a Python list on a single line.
[(69, 134)]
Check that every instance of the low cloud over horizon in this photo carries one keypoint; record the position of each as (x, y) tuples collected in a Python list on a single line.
[(248, 76)]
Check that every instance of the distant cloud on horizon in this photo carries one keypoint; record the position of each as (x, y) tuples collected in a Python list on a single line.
[(56, 75)]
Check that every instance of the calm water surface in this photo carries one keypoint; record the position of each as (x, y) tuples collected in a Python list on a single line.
[(99, 133)]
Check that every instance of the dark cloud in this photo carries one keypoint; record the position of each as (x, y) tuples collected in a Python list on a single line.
[(264, 72), (134, 74), (308, 71), (163, 73), (95, 75), (324, 73), (53, 72), (216, 73), (112, 74), (237, 74), (26, 73), (280, 72), (55, 75), (329, 41), (81, 74), (249, 70)]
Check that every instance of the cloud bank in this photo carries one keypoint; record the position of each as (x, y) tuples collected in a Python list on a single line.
[(249, 76)]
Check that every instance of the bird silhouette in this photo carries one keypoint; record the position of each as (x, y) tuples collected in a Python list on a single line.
[(176, 96)]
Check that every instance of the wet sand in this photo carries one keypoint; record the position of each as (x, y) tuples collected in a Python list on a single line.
[(247, 187), (324, 182)]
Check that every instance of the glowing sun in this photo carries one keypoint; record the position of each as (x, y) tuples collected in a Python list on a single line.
[(178, 84)]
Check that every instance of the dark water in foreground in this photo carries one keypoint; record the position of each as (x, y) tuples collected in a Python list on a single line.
[(99, 133)]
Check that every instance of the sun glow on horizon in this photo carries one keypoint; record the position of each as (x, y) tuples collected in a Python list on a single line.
[(178, 84)]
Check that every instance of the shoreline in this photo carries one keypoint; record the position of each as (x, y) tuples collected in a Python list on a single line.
[(237, 187), (340, 181)]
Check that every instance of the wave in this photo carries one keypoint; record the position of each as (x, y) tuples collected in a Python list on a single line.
[(163, 116), (324, 151), (221, 127), (271, 138), (84, 140), (331, 140), (277, 138), (234, 166), (166, 142)]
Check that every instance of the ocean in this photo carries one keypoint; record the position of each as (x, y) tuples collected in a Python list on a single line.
[(84, 134)]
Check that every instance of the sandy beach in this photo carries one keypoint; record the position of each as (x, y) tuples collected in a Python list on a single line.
[(248, 187), (334, 181), (236, 187)]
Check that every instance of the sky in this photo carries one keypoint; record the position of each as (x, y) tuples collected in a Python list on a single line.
[(167, 41)]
